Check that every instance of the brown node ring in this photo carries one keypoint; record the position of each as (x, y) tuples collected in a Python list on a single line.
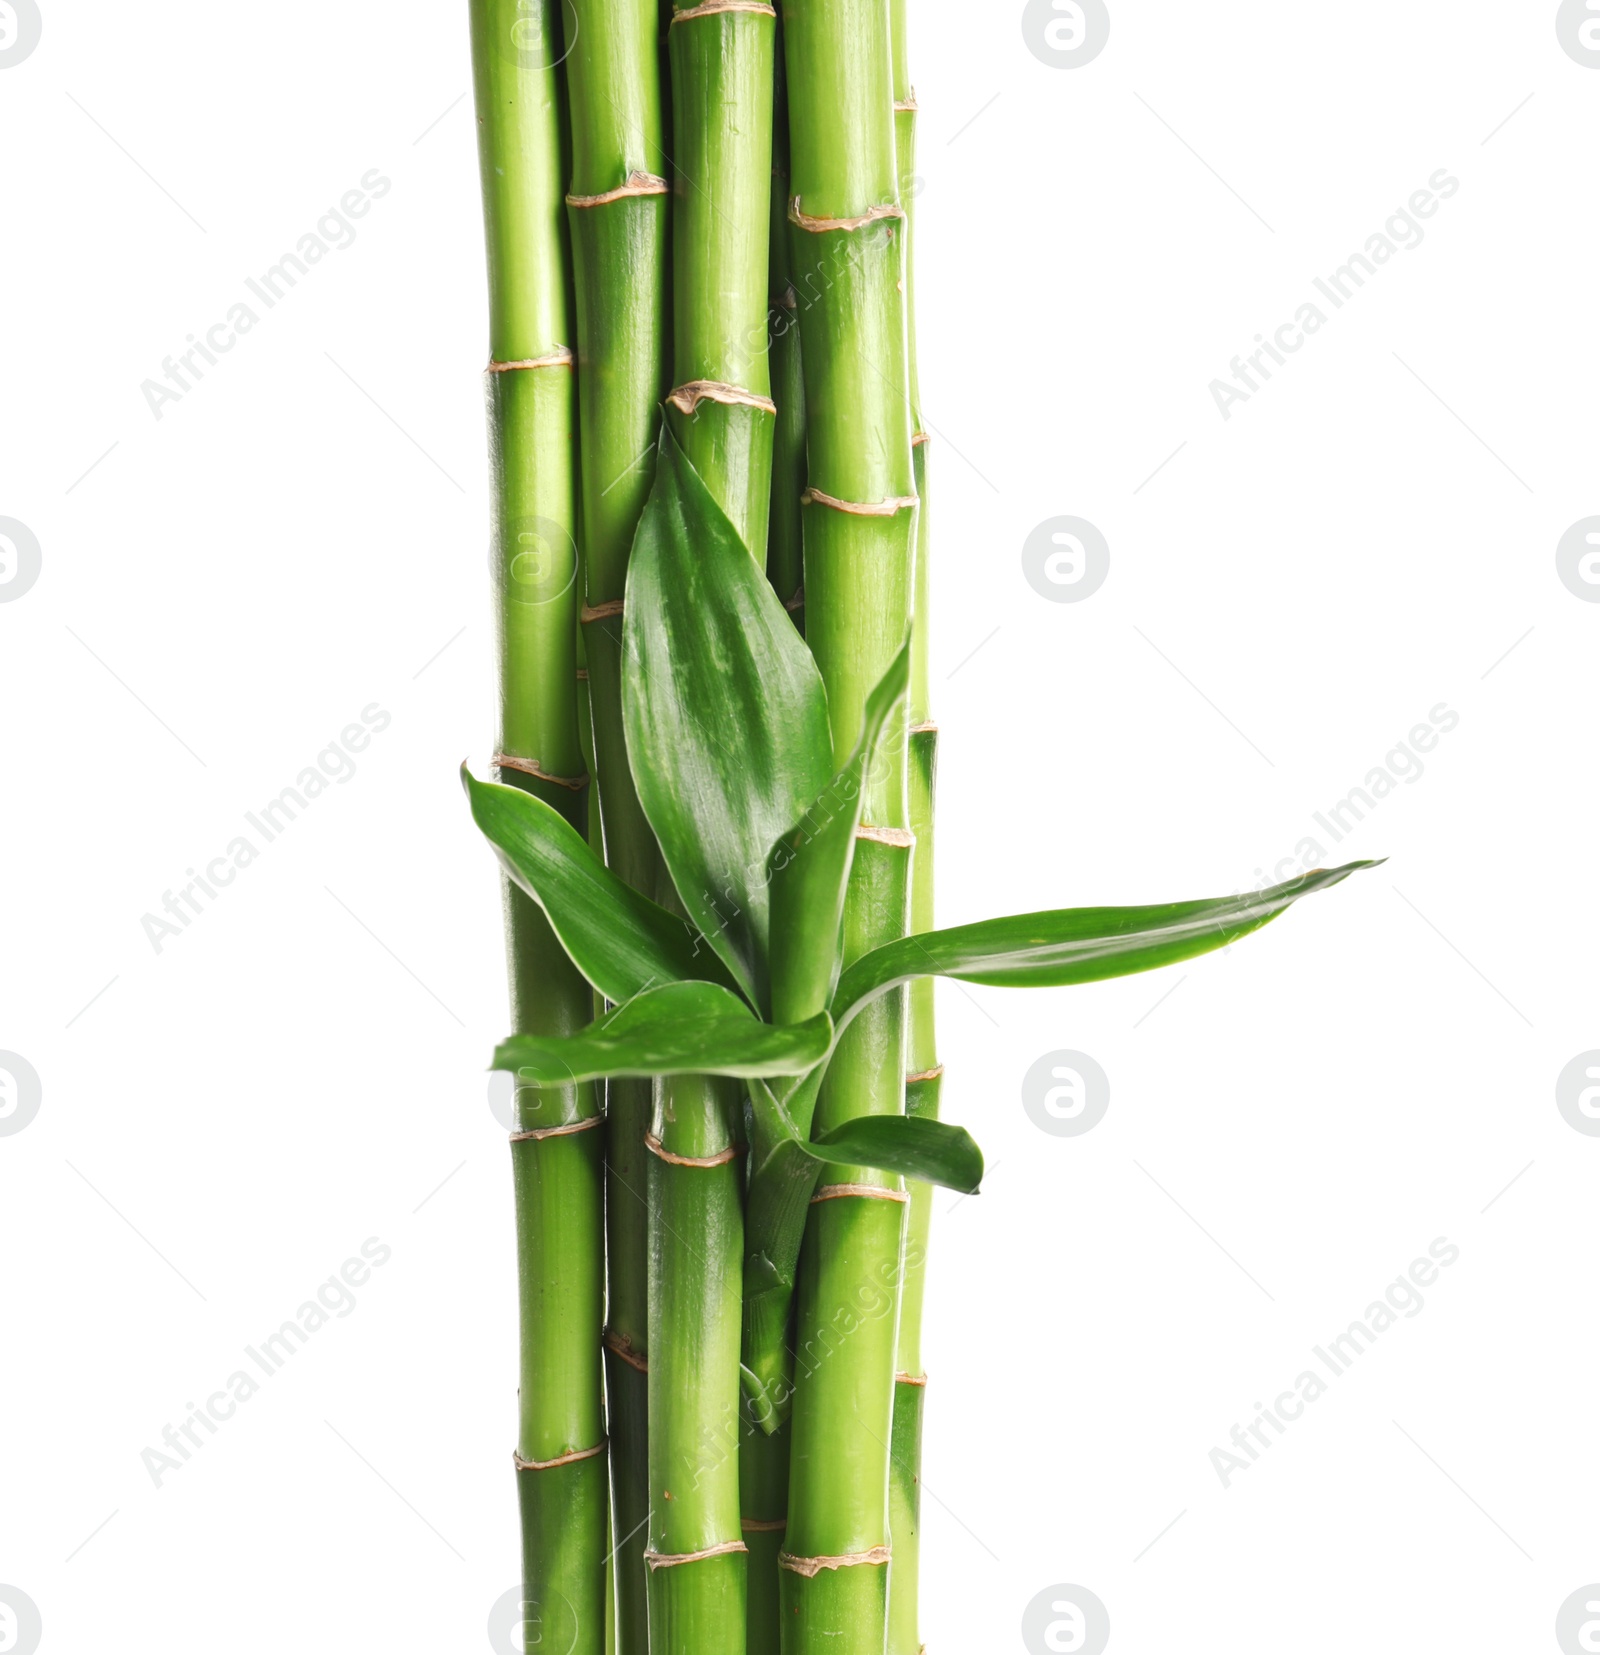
[(819, 226), (811, 1567), (654, 1145), (564, 1459), (639, 183), (560, 357), (527, 767), (899, 838), (869, 1192), (710, 8), (534, 1134), (621, 1347), (659, 1560), (860, 508), (686, 398)]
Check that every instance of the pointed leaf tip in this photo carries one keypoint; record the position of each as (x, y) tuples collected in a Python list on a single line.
[(1074, 945)]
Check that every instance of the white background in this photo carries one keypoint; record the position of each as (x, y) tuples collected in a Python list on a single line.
[(304, 534)]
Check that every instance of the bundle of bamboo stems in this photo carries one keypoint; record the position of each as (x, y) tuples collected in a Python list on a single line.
[(713, 806)]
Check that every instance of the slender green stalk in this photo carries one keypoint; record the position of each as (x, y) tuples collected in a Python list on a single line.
[(763, 1517), (764, 1459), (696, 1556), (722, 411), (859, 515), (925, 1073), (722, 414), (556, 1152), (618, 208), (784, 558)]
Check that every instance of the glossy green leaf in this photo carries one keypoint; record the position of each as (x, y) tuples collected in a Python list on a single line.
[(679, 1029), (726, 717), (810, 866), (934, 1151), (621, 941), (1073, 945)]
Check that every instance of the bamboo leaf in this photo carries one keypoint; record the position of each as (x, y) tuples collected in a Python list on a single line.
[(810, 866), (678, 1029), (934, 1151), (726, 717), (621, 941), (1073, 945)]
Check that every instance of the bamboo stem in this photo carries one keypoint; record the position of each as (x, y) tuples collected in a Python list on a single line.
[(618, 207), (785, 568), (721, 413), (859, 521), (763, 1517), (557, 1177), (922, 1058), (696, 1555)]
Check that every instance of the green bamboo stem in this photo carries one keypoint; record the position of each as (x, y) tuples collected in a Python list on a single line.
[(763, 1458), (859, 521), (923, 1080), (784, 556), (556, 1149), (696, 1556), (618, 206), (763, 1517), (721, 410)]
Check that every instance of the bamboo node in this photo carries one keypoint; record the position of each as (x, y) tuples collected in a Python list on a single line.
[(600, 612), (818, 226), (900, 838), (811, 1567), (918, 1379), (752, 1525), (860, 508), (659, 1560), (533, 1135), (564, 1459), (622, 1347), (527, 767), (928, 729), (654, 1145), (927, 1074), (686, 398), (918, 438), (710, 8), (798, 601), (560, 357), (870, 1192), (906, 106), (639, 183)]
